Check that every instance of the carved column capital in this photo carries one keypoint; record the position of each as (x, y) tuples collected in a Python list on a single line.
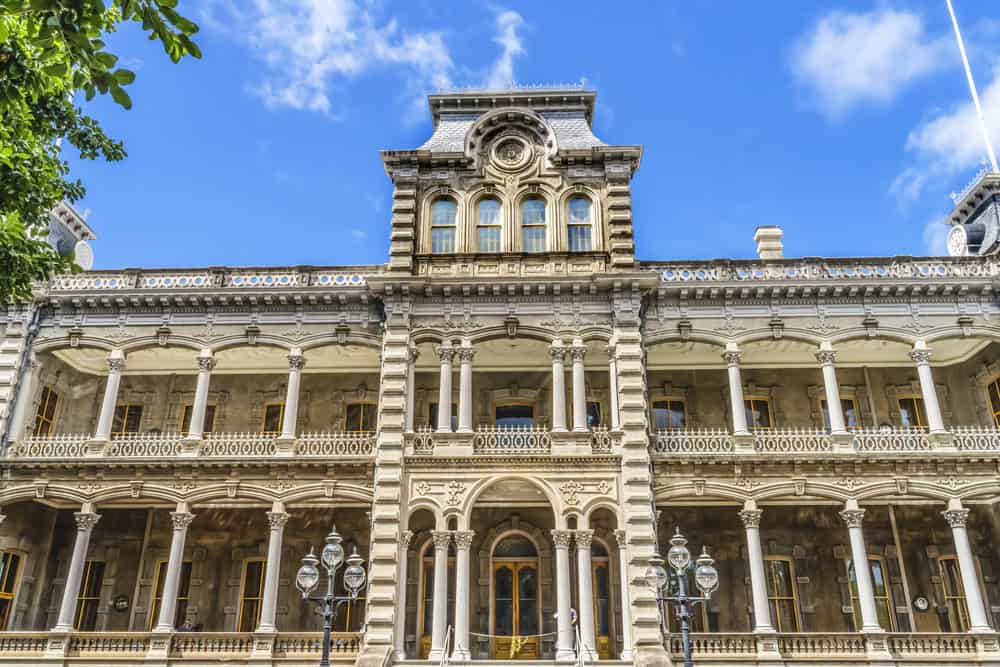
[(442, 538), (181, 520), (404, 539), (445, 353), (296, 362), (562, 538), (621, 537), (466, 354), (826, 357), (557, 353), (277, 520), (921, 356), (853, 518), (584, 538), (86, 520), (732, 357), (116, 365), (577, 353), (412, 355), (206, 363), (956, 518), (751, 518), (463, 538)]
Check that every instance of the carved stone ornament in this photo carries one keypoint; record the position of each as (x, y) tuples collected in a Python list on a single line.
[(296, 362), (557, 352), (181, 520), (826, 357), (578, 353), (277, 520), (621, 537), (751, 518), (463, 538), (732, 357), (423, 488), (562, 538), (455, 490), (956, 518), (405, 537), (445, 353), (584, 538), (466, 354), (853, 518), (206, 363), (920, 357), (603, 487), (442, 538), (570, 491), (86, 520), (511, 153), (116, 365)]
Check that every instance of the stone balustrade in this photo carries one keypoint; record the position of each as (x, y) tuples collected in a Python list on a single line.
[(719, 443), (207, 279), (513, 441), (134, 648), (343, 444)]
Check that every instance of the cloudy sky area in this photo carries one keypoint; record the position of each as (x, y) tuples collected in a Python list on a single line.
[(848, 123)]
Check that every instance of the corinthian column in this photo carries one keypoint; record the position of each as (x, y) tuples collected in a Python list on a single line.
[(957, 517), (853, 517), (750, 516), (826, 357), (732, 357), (558, 354), (401, 591), (85, 522), (585, 591), (296, 362), (116, 364), (205, 365), (564, 628), (442, 538), (622, 538), (445, 353), (277, 518), (613, 388), (465, 355), (411, 387), (171, 582), (463, 542), (921, 356), (578, 352)]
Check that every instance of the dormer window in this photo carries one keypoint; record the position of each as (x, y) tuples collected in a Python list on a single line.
[(580, 225), (443, 212), (488, 225), (533, 225)]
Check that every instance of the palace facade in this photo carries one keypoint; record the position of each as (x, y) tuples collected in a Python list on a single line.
[(507, 420)]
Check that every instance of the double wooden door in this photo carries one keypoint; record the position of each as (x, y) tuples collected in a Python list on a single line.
[(515, 610)]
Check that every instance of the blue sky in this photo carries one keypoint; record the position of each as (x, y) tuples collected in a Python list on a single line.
[(847, 123)]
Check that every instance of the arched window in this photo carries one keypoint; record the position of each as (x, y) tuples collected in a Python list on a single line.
[(443, 212), (488, 226), (533, 225), (579, 226)]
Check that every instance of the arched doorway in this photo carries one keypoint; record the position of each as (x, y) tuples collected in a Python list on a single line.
[(516, 611)]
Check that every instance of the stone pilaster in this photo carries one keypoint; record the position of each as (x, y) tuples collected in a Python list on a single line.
[(403, 233), (620, 236)]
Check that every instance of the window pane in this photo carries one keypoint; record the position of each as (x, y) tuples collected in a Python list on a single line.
[(488, 239), (579, 238), (503, 587), (432, 415), (273, 415), (428, 600), (994, 391), (579, 210), (758, 413), (850, 413), (488, 212), (443, 213), (527, 593), (49, 408), (534, 239), (533, 212), (593, 414), (443, 240), (911, 411), (514, 415)]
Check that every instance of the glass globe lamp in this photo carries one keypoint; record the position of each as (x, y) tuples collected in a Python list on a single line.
[(354, 575), (705, 574), (678, 555), (307, 577), (656, 574), (333, 551)]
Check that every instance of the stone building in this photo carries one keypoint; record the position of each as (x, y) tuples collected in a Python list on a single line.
[(507, 420)]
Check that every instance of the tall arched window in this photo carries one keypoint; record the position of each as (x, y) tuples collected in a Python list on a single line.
[(488, 226), (580, 225), (443, 212), (533, 225)]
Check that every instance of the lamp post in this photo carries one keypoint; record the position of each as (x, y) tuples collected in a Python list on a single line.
[(706, 578), (307, 579)]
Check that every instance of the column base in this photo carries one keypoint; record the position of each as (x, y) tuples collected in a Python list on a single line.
[(652, 656), (57, 643), (461, 654), (565, 655), (843, 443), (284, 446), (942, 441), (263, 643), (435, 655), (159, 647), (743, 443), (163, 629), (876, 644), (95, 447), (767, 644), (190, 445), (626, 655)]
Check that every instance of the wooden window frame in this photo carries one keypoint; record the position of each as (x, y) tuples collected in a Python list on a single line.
[(668, 400), (589, 224), (748, 402), (243, 592), (600, 412), (127, 409), (209, 424), (769, 571), (362, 405), (281, 417), (12, 576), (920, 408), (543, 225), (513, 404), (83, 600), (961, 603), (498, 225), (431, 226), (886, 601), (156, 598), (994, 408), (44, 400), (824, 412)]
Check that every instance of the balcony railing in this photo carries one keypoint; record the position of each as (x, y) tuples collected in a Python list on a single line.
[(513, 441), (832, 647), (93, 648), (811, 441), (342, 444)]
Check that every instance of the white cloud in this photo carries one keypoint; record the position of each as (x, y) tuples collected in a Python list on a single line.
[(950, 143), (311, 48), (852, 59)]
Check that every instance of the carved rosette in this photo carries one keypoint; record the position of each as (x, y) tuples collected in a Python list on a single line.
[(562, 538), (455, 490), (296, 362), (206, 363), (583, 539), (853, 518), (463, 538), (570, 491), (920, 357), (277, 520), (181, 520), (826, 357), (732, 357), (956, 518), (751, 518), (116, 365), (442, 538), (86, 520)]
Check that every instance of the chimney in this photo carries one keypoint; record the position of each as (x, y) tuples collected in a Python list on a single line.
[(768, 240)]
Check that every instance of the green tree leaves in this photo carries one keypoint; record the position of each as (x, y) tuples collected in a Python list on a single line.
[(50, 50)]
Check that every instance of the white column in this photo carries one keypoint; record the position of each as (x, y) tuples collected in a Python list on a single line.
[(564, 627), (826, 357), (585, 590), (171, 581), (401, 590), (758, 582), (116, 364), (296, 362), (463, 542), (578, 352), (85, 522), (957, 517), (613, 388), (622, 538), (442, 538), (411, 388), (558, 354), (276, 518), (445, 353), (25, 399), (205, 365), (853, 517), (732, 356), (465, 355), (921, 356)]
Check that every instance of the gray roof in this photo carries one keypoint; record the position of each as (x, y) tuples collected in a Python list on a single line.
[(571, 128)]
